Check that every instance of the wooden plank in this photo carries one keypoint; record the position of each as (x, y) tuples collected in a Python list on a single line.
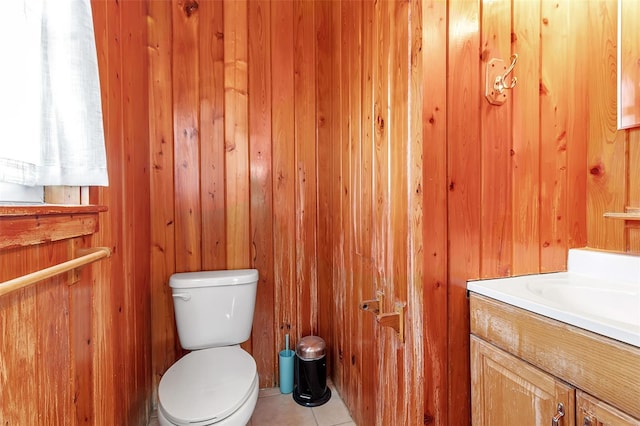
[(18, 231), (264, 326), (81, 372), (108, 351), (496, 214), (414, 313), (525, 155), (52, 319), (633, 236), (164, 341), (366, 327), (434, 155), (186, 127), (324, 111), (103, 396), (282, 63), (305, 167), (137, 210), (350, 29), (236, 133), (18, 381), (337, 119), (606, 181), (398, 405), (577, 132), (349, 170), (212, 135), (554, 140), (464, 99)]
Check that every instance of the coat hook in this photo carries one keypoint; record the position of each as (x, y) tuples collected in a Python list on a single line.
[(500, 83), (496, 80)]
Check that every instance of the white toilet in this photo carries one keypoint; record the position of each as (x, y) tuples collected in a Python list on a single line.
[(216, 383)]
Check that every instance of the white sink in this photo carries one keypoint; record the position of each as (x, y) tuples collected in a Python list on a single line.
[(599, 293)]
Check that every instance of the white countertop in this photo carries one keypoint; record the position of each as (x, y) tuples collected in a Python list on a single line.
[(599, 293)]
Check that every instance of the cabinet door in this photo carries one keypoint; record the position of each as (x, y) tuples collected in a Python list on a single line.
[(592, 412), (507, 391)]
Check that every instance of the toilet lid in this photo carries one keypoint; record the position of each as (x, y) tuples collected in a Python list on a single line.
[(207, 385)]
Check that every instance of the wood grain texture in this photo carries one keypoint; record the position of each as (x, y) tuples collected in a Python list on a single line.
[(260, 154), (495, 139), (590, 410), (186, 128), (525, 157), (606, 183), (554, 136), (212, 134), (569, 353), (284, 171), (464, 197), (316, 186), (165, 346), (236, 133), (434, 153), (507, 390)]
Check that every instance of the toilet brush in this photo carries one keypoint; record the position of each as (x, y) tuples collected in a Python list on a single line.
[(286, 368)]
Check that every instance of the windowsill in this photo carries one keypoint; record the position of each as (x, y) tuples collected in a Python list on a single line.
[(25, 225)]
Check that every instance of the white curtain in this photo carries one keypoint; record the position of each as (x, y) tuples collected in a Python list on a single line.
[(51, 129)]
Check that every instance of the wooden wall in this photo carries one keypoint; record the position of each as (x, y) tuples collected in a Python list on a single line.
[(81, 353), (344, 148)]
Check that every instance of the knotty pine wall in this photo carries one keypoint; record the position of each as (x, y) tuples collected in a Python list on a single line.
[(344, 148), (81, 353), (286, 136)]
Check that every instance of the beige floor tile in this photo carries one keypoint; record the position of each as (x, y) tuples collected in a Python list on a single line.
[(333, 412), (281, 410)]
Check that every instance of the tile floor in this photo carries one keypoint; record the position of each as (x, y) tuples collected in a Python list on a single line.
[(276, 409)]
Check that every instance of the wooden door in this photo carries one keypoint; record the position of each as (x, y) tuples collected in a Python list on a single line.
[(507, 391), (593, 412)]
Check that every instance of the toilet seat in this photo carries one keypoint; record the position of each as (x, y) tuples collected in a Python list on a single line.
[(206, 386)]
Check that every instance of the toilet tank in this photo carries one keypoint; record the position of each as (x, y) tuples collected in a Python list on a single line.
[(214, 308)]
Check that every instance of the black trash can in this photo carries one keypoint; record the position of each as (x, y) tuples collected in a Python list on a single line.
[(310, 372)]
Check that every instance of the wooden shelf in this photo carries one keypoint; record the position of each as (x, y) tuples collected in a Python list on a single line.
[(625, 216), (630, 213), (27, 225)]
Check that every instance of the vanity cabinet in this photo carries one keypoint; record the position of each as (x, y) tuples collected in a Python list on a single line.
[(592, 412), (507, 391), (524, 365)]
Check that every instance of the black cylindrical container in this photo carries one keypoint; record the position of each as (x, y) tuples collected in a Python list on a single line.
[(310, 372)]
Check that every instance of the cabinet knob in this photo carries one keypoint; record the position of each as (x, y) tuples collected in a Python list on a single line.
[(587, 421), (556, 419)]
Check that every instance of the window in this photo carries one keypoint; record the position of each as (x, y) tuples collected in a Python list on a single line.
[(11, 193), (50, 105)]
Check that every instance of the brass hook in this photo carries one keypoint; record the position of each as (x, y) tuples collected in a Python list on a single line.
[(500, 83)]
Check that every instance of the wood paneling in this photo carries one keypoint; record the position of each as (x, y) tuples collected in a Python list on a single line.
[(342, 148), (80, 353), (358, 115)]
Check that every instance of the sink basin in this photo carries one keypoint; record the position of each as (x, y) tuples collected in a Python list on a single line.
[(598, 294), (620, 303)]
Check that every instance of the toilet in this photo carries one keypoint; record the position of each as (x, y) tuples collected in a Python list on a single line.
[(217, 382)]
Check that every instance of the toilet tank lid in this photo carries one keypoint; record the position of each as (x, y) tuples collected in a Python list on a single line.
[(213, 278)]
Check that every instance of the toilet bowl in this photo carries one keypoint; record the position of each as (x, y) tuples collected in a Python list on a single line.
[(217, 386), (217, 382)]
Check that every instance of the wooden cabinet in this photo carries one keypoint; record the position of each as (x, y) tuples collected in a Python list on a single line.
[(508, 391), (523, 365), (592, 412)]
